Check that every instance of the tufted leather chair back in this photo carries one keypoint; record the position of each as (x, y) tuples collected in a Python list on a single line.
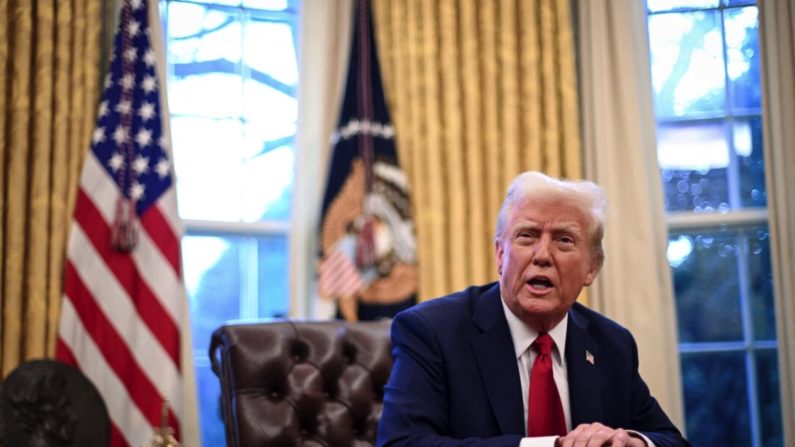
[(302, 383)]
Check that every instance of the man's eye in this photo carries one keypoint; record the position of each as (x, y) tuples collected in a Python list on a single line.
[(566, 240), (524, 235)]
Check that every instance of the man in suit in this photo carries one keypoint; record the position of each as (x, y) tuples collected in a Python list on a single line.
[(471, 368)]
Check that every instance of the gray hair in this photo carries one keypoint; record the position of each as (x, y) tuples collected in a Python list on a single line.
[(583, 194)]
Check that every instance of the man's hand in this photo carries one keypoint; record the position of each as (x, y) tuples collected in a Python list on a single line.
[(598, 435)]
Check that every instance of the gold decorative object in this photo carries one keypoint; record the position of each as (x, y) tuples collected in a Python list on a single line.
[(164, 435)]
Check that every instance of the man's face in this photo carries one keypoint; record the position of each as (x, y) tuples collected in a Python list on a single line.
[(544, 257)]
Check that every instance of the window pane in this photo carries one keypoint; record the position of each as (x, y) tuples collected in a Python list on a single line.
[(270, 53), (706, 286), (208, 163), (667, 5), (747, 136), (716, 399), (694, 160), (763, 310), (273, 276), (282, 111), (229, 278), (687, 63), (209, 396), (204, 53), (212, 267), (769, 398), (742, 56), (271, 199)]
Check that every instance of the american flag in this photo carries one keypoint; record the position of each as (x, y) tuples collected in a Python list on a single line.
[(124, 301)]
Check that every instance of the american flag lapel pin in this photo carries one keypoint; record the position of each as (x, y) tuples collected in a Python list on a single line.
[(589, 357)]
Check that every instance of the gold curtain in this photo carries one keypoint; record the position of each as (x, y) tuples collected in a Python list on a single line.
[(49, 84), (479, 91)]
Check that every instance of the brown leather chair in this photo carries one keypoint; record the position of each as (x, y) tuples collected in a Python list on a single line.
[(302, 383)]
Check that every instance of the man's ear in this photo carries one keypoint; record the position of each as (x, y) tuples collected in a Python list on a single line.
[(498, 252), (595, 267)]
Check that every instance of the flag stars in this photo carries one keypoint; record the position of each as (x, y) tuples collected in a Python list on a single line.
[(137, 191), (120, 135), (163, 167), (136, 5), (149, 57), (103, 108), (127, 81), (146, 111), (116, 161), (141, 165), (131, 54), (108, 81), (149, 83), (124, 107), (133, 28), (143, 137), (99, 135)]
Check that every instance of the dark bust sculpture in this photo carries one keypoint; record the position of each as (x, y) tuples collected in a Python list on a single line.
[(45, 403)]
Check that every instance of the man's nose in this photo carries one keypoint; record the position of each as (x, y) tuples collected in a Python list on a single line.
[(541, 255)]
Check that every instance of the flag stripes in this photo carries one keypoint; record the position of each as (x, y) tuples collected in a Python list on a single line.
[(129, 420), (123, 359), (163, 237), (338, 276), (161, 276), (122, 267)]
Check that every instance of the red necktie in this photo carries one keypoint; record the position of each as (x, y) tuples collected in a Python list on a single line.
[(545, 412)]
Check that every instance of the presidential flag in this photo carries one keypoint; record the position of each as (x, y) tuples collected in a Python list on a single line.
[(123, 301), (368, 254)]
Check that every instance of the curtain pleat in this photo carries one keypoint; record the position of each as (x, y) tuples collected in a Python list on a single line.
[(571, 146), (491, 183), (479, 92), (475, 235), (18, 118), (530, 93), (49, 62), (38, 169)]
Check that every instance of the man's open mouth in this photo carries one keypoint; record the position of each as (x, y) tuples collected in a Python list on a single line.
[(540, 283)]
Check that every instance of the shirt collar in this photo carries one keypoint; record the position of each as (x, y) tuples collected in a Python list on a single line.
[(523, 335)]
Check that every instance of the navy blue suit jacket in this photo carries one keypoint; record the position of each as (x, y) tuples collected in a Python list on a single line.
[(455, 379)]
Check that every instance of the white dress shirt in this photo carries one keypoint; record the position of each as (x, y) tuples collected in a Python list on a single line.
[(523, 337)]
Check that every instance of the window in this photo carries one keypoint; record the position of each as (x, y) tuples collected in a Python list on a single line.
[(708, 105), (232, 80)]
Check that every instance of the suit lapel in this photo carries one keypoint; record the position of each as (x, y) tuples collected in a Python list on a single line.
[(585, 379), (496, 359)]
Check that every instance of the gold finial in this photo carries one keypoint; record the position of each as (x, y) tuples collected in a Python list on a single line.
[(164, 435)]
